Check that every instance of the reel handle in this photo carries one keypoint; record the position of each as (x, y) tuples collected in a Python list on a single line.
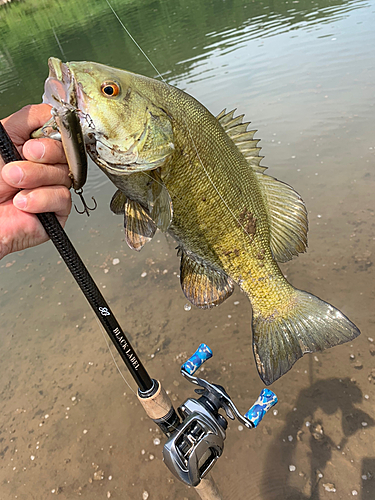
[(262, 405), (202, 354), (253, 416)]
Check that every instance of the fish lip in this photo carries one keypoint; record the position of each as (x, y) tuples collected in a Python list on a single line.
[(60, 87)]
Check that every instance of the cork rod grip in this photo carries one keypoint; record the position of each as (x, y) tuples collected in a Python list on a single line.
[(158, 405)]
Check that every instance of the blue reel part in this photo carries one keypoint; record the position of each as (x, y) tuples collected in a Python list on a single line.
[(202, 354), (252, 417), (265, 401)]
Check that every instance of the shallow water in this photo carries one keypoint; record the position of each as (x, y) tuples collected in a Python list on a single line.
[(304, 74)]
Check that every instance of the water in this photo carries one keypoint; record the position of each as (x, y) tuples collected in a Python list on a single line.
[(304, 74)]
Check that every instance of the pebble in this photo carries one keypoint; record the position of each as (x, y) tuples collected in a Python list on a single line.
[(370, 339), (115, 262), (145, 495), (372, 350), (240, 428), (290, 438), (144, 274), (358, 365), (187, 307), (354, 493), (275, 412), (156, 441), (329, 487), (317, 432), (292, 468), (98, 475), (236, 302), (108, 494)]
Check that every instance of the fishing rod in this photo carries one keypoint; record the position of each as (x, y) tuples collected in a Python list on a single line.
[(197, 432)]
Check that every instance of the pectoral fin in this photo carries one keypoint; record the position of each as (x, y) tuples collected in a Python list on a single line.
[(118, 201), (202, 284), (139, 227), (159, 201)]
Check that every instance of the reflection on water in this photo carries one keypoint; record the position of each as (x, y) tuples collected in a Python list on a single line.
[(303, 72)]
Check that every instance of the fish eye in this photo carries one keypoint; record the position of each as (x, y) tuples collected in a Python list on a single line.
[(110, 89)]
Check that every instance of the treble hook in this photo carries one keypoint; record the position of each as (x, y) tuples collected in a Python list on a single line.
[(86, 208)]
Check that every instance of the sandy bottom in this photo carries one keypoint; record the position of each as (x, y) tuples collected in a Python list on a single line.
[(70, 426)]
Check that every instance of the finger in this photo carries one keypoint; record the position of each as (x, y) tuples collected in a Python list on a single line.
[(45, 199), (29, 175), (44, 151), (20, 125)]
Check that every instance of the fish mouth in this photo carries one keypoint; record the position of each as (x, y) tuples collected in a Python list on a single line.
[(59, 87)]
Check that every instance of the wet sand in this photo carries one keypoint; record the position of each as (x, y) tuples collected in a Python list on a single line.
[(71, 427)]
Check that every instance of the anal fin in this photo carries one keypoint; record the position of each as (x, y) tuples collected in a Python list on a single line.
[(203, 285)]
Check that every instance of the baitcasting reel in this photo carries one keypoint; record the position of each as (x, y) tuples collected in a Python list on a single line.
[(198, 441)]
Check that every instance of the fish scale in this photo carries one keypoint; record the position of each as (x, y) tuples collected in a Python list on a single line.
[(180, 169)]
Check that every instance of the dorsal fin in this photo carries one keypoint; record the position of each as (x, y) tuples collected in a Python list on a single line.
[(287, 217), (243, 138)]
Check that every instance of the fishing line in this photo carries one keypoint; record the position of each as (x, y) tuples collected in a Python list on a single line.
[(113, 358), (123, 376), (186, 124), (133, 39), (58, 41)]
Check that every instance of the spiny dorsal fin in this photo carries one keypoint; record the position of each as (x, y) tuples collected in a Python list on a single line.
[(287, 216), (202, 284), (139, 227), (243, 138)]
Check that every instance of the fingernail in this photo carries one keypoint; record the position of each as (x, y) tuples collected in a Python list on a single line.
[(36, 149), (20, 201), (15, 174)]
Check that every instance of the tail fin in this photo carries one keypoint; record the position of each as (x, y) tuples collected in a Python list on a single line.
[(310, 325)]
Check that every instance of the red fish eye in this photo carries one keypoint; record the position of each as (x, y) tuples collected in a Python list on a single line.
[(110, 89)]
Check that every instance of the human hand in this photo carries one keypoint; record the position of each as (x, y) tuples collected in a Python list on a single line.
[(43, 178)]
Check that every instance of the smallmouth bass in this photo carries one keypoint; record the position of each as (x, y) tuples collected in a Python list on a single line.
[(182, 170)]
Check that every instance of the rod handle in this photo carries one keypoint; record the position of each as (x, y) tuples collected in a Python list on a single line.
[(202, 354), (265, 401)]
